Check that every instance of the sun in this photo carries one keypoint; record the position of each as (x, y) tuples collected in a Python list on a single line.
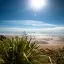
[(37, 4)]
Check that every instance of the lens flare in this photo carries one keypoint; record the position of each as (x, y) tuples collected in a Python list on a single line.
[(37, 4)]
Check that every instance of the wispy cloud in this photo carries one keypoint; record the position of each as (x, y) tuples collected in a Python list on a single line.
[(26, 23), (34, 26), (32, 29), (37, 23)]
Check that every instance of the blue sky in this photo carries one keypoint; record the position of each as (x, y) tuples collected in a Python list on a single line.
[(16, 14)]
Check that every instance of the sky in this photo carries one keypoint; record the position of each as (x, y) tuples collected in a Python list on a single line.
[(17, 16)]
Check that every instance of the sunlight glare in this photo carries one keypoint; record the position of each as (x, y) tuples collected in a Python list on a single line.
[(37, 4)]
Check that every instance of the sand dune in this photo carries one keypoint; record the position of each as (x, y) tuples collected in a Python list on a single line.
[(51, 46), (50, 39)]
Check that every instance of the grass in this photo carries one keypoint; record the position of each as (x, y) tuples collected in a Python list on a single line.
[(43, 59), (1, 61), (24, 51), (21, 51)]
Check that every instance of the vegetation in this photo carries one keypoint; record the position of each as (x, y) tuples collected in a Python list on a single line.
[(56, 56), (20, 51), (25, 51), (2, 37)]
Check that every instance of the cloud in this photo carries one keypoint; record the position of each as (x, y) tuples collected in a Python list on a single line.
[(38, 23), (55, 29), (26, 23), (59, 28), (34, 26), (19, 31)]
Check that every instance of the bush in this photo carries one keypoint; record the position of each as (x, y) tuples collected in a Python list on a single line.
[(19, 51), (2, 37)]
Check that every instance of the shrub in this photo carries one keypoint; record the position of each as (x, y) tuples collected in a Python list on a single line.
[(19, 51), (2, 37)]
